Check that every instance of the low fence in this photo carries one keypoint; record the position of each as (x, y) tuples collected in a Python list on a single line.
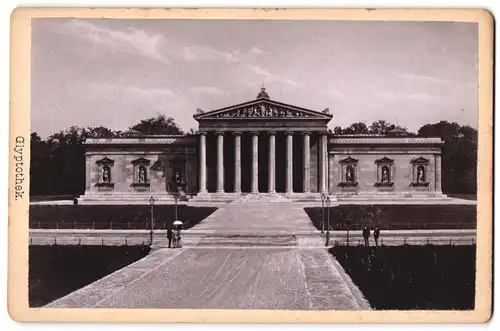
[(411, 226), (143, 237), (74, 225)]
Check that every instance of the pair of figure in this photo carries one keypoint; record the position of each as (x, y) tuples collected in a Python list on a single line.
[(366, 235), (174, 237)]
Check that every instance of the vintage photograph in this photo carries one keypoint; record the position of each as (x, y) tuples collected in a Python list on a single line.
[(290, 165)]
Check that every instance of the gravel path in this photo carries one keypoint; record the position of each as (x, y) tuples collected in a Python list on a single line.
[(225, 278)]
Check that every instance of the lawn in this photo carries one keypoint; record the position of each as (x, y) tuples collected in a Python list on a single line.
[(114, 216), (412, 277), (397, 217), (55, 271)]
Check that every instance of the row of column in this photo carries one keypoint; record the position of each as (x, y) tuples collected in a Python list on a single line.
[(271, 164)]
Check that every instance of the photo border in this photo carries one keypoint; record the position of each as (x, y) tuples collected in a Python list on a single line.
[(20, 104)]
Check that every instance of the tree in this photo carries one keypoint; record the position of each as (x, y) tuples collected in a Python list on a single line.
[(100, 132), (377, 127), (459, 155), (383, 127), (40, 165), (158, 125)]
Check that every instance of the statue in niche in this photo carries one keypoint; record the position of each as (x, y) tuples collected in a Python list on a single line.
[(179, 181), (420, 174), (385, 174), (349, 174), (142, 174), (106, 174)]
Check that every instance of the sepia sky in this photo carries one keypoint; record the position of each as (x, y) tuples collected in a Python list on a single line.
[(116, 72)]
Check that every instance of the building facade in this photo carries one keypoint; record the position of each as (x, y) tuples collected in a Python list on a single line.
[(262, 146)]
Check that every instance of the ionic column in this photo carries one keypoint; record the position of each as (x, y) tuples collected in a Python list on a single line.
[(307, 165), (272, 162), (255, 162), (322, 163), (438, 173), (237, 162), (289, 162), (220, 162), (203, 163)]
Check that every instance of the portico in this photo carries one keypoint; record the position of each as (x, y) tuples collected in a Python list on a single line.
[(262, 146)]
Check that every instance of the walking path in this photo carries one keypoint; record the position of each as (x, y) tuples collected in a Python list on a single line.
[(226, 270), (258, 217), (190, 278)]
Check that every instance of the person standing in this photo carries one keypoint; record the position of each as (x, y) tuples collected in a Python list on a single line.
[(179, 239), (376, 235), (169, 237), (176, 238), (366, 235)]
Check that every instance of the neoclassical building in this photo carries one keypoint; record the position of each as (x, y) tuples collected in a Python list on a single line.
[(262, 147)]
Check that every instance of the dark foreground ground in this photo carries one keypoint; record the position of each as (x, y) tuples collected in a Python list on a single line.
[(114, 216), (55, 271), (412, 277), (396, 217)]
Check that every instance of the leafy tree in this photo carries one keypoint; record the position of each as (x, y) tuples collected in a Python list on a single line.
[(101, 132), (158, 125), (377, 127), (459, 156)]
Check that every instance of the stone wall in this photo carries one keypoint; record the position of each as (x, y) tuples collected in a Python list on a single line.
[(160, 161), (367, 172)]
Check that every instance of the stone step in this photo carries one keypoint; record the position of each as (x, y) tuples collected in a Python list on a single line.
[(233, 241)]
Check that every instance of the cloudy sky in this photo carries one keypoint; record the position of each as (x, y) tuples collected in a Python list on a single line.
[(116, 72)]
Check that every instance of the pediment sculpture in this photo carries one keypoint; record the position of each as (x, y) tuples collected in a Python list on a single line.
[(262, 110)]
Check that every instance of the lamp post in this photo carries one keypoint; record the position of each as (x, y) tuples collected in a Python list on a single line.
[(323, 197), (328, 220), (176, 198), (151, 203)]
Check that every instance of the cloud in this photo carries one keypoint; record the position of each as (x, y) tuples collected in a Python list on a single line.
[(128, 89), (257, 51), (210, 90), (421, 96), (201, 53), (389, 95), (428, 79), (130, 40), (270, 77), (333, 92)]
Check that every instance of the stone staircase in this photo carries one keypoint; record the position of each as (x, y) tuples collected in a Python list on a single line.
[(261, 197), (247, 241)]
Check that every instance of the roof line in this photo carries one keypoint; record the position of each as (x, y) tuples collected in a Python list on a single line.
[(196, 116)]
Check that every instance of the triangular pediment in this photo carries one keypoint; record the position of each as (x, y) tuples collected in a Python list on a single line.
[(141, 161), (385, 160), (420, 160), (348, 160), (262, 109), (104, 161)]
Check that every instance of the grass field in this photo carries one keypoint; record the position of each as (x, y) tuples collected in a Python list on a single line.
[(412, 277), (55, 271), (396, 217), (114, 216)]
